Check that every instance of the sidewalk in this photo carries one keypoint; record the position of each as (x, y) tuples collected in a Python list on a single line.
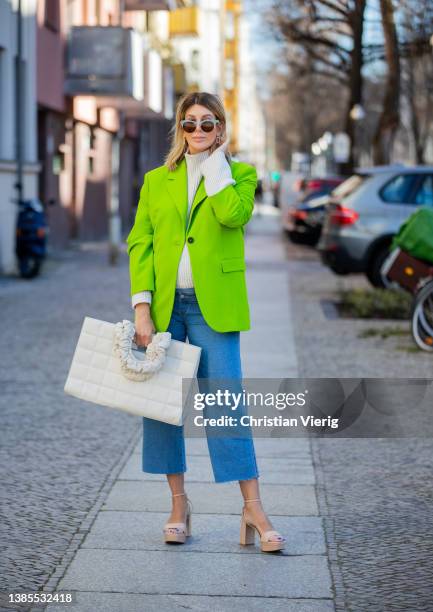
[(123, 564)]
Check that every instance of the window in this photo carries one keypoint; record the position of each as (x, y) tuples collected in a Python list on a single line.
[(52, 15), (424, 194), (399, 189)]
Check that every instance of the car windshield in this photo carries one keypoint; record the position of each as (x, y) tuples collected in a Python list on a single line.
[(349, 186)]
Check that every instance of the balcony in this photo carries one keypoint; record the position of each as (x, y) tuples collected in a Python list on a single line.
[(184, 22), (153, 5), (105, 61)]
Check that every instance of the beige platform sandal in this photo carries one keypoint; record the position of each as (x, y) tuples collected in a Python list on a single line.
[(248, 534), (178, 532)]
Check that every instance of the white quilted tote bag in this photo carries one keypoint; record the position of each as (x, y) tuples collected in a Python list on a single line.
[(106, 370)]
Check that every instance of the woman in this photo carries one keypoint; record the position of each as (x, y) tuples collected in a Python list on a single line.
[(196, 288)]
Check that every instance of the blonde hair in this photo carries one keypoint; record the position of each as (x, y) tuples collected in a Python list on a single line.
[(178, 143)]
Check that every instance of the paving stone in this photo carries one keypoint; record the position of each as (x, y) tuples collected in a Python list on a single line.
[(135, 571), (131, 602), (211, 533), (219, 498)]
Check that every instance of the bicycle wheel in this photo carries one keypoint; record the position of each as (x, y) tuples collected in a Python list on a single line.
[(422, 318)]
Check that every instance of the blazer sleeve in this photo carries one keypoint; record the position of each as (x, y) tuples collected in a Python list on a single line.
[(140, 246), (234, 204), (139, 298)]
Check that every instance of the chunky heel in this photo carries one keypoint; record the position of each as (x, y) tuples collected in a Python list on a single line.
[(247, 533), (188, 520), (178, 532), (270, 540)]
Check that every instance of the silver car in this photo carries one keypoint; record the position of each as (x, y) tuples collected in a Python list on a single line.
[(366, 211)]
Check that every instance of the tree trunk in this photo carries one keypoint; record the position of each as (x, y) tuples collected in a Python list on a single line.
[(356, 20), (414, 123), (390, 117)]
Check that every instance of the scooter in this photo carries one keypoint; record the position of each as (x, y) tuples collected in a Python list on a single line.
[(31, 237)]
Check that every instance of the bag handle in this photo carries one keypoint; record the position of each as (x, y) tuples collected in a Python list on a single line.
[(139, 369)]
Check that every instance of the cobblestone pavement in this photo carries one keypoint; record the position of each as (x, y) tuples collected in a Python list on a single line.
[(56, 452), (375, 494)]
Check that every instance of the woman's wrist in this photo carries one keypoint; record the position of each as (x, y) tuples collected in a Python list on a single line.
[(142, 309)]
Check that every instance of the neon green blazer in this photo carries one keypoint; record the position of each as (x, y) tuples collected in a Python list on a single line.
[(214, 238)]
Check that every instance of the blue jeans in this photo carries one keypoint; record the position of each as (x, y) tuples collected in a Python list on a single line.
[(232, 457)]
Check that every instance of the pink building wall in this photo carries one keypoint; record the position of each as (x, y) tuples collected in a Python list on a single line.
[(50, 53)]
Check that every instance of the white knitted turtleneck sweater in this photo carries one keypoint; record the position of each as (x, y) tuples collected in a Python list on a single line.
[(217, 175)]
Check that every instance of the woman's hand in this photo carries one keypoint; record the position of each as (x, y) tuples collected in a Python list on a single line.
[(144, 327)]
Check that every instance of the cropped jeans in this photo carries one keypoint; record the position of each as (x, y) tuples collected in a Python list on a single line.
[(232, 456)]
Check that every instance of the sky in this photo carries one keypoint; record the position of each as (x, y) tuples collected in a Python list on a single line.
[(265, 48)]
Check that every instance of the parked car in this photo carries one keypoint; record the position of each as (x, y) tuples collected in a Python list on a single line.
[(303, 221), (289, 190), (319, 185), (366, 212)]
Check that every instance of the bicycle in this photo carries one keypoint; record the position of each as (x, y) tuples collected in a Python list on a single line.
[(415, 276)]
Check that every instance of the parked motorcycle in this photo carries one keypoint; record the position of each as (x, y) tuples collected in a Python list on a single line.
[(31, 237)]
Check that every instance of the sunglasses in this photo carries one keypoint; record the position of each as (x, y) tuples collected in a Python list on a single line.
[(207, 125)]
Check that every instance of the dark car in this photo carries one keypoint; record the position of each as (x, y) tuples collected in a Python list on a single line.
[(303, 222)]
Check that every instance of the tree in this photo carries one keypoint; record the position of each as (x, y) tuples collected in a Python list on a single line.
[(417, 71), (326, 37), (390, 117)]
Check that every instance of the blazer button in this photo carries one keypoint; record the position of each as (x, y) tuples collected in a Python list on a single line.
[(190, 239)]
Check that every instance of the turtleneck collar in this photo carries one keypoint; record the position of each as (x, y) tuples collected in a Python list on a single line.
[(193, 159)]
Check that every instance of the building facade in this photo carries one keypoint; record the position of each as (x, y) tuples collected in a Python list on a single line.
[(101, 79), (8, 120)]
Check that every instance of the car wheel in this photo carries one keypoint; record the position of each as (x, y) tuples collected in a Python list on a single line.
[(294, 237), (373, 269)]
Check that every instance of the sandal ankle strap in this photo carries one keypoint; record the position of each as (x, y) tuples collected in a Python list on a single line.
[(188, 501), (256, 499)]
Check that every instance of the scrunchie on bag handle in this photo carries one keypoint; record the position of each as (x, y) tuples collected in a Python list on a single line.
[(139, 369)]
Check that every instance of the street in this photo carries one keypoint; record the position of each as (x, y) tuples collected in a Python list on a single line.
[(79, 514)]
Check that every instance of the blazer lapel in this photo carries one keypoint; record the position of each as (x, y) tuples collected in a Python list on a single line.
[(177, 186), (199, 196)]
